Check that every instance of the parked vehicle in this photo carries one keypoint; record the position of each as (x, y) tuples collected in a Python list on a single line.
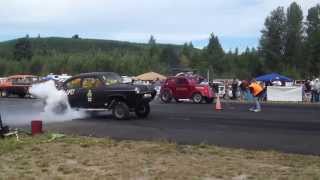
[(229, 92), (219, 89), (57, 78), (17, 85), (105, 91), (185, 88)]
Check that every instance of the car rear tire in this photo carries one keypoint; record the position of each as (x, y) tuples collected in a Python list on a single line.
[(121, 111), (166, 97), (60, 108), (143, 110), (197, 98), (209, 100)]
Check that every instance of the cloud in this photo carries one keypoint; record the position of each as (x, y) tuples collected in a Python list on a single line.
[(169, 21)]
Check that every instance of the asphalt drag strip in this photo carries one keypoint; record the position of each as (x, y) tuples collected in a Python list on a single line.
[(291, 128)]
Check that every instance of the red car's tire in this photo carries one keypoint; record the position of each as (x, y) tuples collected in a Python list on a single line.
[(166, 97), (197, 98)]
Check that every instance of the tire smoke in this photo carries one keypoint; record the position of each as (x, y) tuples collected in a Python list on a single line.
[(56, 105)]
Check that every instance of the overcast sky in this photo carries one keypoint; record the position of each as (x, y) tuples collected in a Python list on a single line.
[(237, 22)]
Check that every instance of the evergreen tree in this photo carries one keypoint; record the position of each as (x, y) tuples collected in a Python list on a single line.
[(272, 40), (152, 40), (76, 36), (153, 49), (294, 36), (170, 57), (22, 49), (214, 47), (313, 41), (214, 55), (187, 50)]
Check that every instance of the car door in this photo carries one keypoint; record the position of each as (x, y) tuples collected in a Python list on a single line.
[(182, 88), (73, 90), (93, 89)]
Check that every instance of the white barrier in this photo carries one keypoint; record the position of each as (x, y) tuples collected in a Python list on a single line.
[(284, 93)]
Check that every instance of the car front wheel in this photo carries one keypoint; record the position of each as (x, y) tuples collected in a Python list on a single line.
[(166, 97), (121, 111), (197, 98), (143, 110)]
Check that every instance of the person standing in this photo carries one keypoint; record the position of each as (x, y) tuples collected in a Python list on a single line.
[(244, 89), (307, 91), (316, 90), (234, 87), (256, 91)]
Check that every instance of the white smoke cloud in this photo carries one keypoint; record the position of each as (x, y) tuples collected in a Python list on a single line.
[(57, 107)]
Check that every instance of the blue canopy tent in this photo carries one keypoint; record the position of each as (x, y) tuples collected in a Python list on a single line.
[(273, 77)]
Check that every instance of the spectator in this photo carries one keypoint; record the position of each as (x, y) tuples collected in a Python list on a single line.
[(307, 90), (268, 83), (277, 83), (316, 90), (256, 90), (244, 89), (307, 86), (234, 87)]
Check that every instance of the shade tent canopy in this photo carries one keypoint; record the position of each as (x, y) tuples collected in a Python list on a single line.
[(150, 76), (273, 77)]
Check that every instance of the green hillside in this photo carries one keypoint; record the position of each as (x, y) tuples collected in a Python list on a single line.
[(72, 45), (77, 55)]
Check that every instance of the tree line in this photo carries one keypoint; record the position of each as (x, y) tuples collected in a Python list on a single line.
[(289, 44)]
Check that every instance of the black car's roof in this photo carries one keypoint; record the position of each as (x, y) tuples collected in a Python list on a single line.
[(94, 74), (91, 74)]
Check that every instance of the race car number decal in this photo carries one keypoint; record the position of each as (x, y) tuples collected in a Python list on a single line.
[(89, 96), (70, 92)]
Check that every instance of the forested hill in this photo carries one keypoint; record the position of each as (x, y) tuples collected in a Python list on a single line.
[(76, 45), (76, 55)]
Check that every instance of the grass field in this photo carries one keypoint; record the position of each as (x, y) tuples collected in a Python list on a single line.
[(94, 158)]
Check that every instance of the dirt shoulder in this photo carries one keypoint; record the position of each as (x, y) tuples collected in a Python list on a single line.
[(103, 158)]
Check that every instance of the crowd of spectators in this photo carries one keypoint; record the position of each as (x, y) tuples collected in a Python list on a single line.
[(236, 89), (312, 89)]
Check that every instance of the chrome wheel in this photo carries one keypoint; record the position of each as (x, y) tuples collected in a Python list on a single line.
[(197, 98)]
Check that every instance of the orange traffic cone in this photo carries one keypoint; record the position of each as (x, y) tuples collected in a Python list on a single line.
[(218, 104)]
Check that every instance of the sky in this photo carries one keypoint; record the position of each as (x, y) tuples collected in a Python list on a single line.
[(237, 23)]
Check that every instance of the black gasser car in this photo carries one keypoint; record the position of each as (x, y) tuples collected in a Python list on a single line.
[(105, 91)]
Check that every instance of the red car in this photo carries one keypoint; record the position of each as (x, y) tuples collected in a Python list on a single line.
[(185, 88), (17, 85)]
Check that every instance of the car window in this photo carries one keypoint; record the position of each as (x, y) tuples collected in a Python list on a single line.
[(74, 84), (181, 81), (111, 79), (91, 83)]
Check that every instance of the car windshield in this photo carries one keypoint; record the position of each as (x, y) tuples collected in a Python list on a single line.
[(110, 79)]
